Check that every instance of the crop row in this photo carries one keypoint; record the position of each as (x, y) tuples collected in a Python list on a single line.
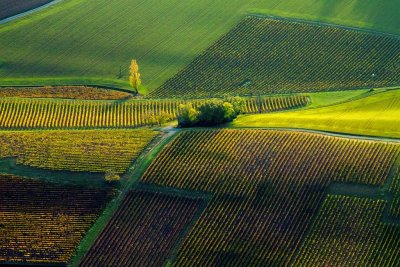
[(43, 223), (348, 232), (42, 113), (66, 92), (264, 56), (267, 186), (143, 231), (76, 150)]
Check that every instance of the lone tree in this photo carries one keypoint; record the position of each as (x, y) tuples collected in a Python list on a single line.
[(134, 77)]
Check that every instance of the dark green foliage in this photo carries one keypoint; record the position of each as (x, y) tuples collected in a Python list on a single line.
[(210, 113)]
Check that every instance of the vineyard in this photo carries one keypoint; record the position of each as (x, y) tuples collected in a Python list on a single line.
[(43, 223), (266, 56), (257, 178), (16, 113), (348, 232), (76, 150), (66, 92), (143, 231)]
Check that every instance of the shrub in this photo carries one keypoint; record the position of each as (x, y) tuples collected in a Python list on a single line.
[(111, 177), (187, 115)]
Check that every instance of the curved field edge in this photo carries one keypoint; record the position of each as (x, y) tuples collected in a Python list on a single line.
[(164, 54), (10, 10), (375, 115)]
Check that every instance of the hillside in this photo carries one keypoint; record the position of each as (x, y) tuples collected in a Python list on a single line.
[(376, 115), (94, 38), (264, 55)]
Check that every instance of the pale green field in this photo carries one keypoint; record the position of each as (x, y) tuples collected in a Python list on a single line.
[(375, 115), (93, 38)]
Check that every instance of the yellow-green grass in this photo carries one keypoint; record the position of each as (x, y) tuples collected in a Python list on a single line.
[(92, 39), (375, 115)]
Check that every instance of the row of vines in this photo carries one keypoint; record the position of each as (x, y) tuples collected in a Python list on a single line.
[(143, 231), (264, 56), (348, 232), (43, 223), (76, 150), (42, 113), (267, 187)]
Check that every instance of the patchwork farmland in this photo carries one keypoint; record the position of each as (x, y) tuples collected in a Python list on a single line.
[(242, 133)]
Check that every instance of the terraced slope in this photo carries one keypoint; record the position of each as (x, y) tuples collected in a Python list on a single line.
[(377, 115), (10, 8), (267, 187), (265, 56), (164, 37)]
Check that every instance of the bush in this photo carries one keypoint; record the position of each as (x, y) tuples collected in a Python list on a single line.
[(111, 177), (187, 115)]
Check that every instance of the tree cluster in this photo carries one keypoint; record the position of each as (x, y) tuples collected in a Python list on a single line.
[(210, 113)]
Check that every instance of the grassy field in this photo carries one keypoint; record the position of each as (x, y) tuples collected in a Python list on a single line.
[(94, 38), (376, 115), (269, 56)]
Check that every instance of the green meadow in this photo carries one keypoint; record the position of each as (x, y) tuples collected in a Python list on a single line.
[(373, 115), (78, 41)]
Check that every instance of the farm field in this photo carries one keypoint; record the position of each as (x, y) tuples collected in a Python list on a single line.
[(163, 37), (64, 92), (376, 115), (76, 150), (257, 181), (199, 133), (143, 231), (22, 113), (43, 223), (301, 57), (10, 8), (350, 224)]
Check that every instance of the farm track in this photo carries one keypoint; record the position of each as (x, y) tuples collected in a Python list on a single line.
[(131, 178), (29, 12)]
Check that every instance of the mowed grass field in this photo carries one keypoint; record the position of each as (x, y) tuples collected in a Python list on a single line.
[(375, 115), (80, 41)]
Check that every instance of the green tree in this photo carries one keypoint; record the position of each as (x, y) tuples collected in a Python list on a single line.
[(187, 115)]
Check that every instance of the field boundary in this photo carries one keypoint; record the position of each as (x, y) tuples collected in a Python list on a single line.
[(328, 133), (322, 23), (29, 12)]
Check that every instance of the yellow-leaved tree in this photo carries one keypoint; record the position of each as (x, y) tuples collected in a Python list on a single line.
[(134, 77)]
